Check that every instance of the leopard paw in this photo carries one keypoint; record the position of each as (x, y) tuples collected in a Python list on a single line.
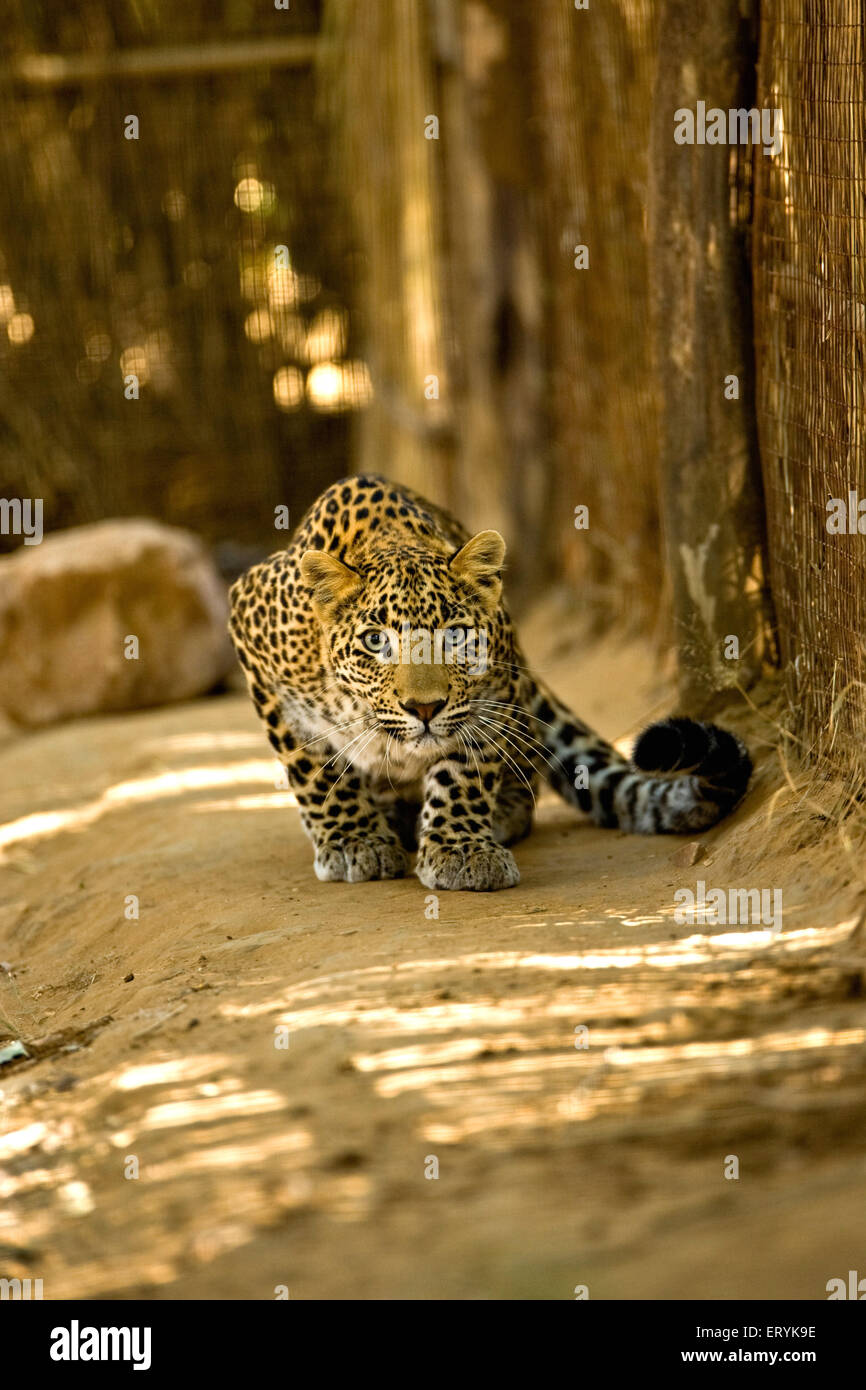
[(355, 860), (475, 868)]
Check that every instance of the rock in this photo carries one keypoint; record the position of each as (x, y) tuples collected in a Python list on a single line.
[(689, 854), (69, 606)]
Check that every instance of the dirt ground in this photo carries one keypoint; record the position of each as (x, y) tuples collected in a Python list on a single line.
[(413, 1038)]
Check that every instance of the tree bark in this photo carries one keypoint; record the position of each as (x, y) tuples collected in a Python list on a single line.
[(712, 501)]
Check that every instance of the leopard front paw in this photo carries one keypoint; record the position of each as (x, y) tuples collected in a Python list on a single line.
[(475, 868), (355, 860)]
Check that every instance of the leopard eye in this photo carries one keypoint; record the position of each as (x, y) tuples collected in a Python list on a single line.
[(376, 642), (455, 637)]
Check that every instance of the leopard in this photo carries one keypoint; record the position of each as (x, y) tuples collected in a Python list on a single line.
[(382, 660)]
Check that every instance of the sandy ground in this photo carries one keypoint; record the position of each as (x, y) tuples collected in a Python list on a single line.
[(413, 1038)]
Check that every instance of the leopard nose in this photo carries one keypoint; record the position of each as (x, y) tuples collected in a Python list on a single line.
[(424, 712)]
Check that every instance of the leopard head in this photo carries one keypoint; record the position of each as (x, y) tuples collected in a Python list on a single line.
[(414, 634)]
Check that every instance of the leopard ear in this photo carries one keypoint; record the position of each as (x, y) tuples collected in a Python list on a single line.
[(329, 579), (480, 561)]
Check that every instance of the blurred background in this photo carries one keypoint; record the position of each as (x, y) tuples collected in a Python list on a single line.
[(456, 243)]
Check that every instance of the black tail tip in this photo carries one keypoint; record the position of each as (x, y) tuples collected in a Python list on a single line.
[(687, 746)]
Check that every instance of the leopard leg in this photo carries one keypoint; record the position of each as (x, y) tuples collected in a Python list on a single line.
[(354, 840), (515, 804), (402, 815), (352, 837), (457, 848)]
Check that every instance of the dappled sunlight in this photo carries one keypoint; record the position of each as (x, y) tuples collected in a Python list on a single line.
[(532, 1073), (440, 1018), (458, 1046), (76, 1197), (187, 779), (261, 801), (134, 791), (28, 1181), (167, 744), (201, 1109), (224, 1146), (235, 1156), (20, 1140), (489, 1048), (622, 1080), (160, 1073), (397, 1058), (529, 1073), (798, 1040), (693, 950), (506, 1059)]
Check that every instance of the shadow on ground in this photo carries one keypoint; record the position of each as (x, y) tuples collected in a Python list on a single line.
[(246, 1085)]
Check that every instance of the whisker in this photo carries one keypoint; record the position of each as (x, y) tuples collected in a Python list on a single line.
[(513, 765), (372, 735), (537, 749), (533, 670), (468, 748), (502, 731), (388, 763), (346, 746), (510, 705), (335, 728)]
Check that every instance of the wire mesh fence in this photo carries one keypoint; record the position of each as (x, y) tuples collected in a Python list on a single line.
[(166, 215), (810, 301)]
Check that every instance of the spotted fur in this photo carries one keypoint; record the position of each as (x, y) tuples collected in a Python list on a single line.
[(384, 757)]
